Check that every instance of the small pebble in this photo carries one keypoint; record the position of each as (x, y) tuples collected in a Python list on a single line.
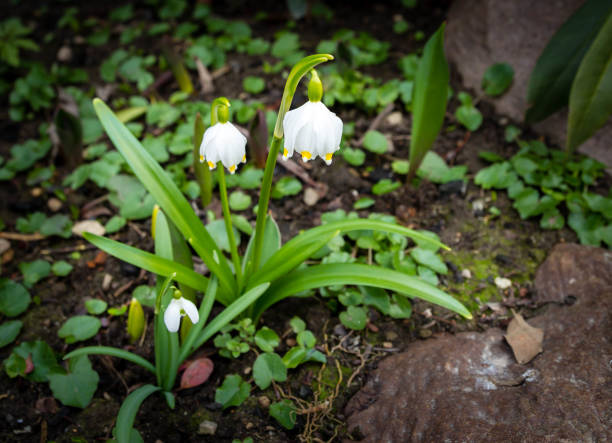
[(395, 118), (106, 282), (503, 283), (311, 197), (207, 427), (387, 345), (478, 206), (466, 273), (247, 370), (36, 192), (64, 54), (263, 401), (290, 342), (54, 204), (427, 313), (249, 425), (339, 330)]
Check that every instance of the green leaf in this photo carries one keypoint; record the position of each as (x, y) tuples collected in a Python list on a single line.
[(354, 157), (469, 116), (498, 175), (34, 271), (429, 99), (42, 357), (232, 392), (268, 366), (286, 186), (385, 186), (239, 201), (77, 387), (555, 70), (527, 202), (129, 409), (79, 328), (95, 306), (297, 325), (294, 357), (590, 100), (284, 412), (400, 308), (115, 224), (363, 203), (9, 330), (497, 79), (14, 298), (166, 193), (434, 169), (354, 318), (429, 258), (376, 142), (113, 352), (149, 262), (355, 274), (58, 224), (266, 339), (61, 268), (253, 85), (552, 219)]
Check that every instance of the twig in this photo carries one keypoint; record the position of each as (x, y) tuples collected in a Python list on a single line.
[(220, 72), (68, 250), (94, 202), (21, 237), (301, 173), (123, 288)]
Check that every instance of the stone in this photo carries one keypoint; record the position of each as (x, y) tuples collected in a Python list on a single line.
[(54, 204), (568, 268), (207, 427), (483, 32), (5, 245), (524, 339), (311, 196), (93, 226), (106, 281), (503, 283), (468, 387), (395, 118)]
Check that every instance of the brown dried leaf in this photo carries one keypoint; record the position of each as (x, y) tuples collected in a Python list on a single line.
[(525, 340)]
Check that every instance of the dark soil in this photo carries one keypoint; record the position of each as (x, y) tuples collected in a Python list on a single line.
[(27, 410)]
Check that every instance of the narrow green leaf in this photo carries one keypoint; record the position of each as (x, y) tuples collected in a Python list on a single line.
[(129, 409), (166, 193), (149, 262), (429, 99), (113, 352), (355, 274), (590, 101), (551, 79)]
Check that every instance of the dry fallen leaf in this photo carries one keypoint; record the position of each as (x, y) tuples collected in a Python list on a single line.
[(525, 340), (197, 372)]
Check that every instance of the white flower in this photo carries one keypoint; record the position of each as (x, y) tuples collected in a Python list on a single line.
[(223, 142), (312, 130), (178, 308)]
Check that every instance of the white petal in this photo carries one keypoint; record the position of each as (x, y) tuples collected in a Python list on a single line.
[(172, 316), (190, 309)]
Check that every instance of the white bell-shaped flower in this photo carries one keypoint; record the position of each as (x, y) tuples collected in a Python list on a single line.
[(179, 307), (312, 129), (223, 142)]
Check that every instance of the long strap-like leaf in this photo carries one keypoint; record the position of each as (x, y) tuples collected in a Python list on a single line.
[(113, 352), (129, 409), (355, 274), (167, 195)]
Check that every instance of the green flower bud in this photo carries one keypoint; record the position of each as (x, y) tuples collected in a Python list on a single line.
[(136, 320)]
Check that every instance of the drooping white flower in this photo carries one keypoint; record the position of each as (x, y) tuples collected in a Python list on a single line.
[(179, 307), (223, 142), (312, 130)]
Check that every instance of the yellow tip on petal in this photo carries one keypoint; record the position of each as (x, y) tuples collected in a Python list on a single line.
[(211, 165), (244, 158), (201, 158), (328, 158), (306, 156), (232, 169), (285, 153)]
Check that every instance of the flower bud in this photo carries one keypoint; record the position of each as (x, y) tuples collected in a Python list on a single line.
[(136, 321)]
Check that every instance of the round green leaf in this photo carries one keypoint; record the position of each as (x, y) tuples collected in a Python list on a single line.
[(284, 412), (497, 79), (363, 203), (61, 268), (239, 201), (9, 330), (429, 258), (286, 186), (95, 306), (14, 298), (266, 339), (253, 85), (268, 367), (354, 318), (375, 141), (78, 328), (354, 157)]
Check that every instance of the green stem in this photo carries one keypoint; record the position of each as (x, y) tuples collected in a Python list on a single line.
[(228, 225), (297, 72)]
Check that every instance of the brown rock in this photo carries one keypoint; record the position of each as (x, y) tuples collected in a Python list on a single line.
[(568, 268), (468, 387), (483, 32)]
